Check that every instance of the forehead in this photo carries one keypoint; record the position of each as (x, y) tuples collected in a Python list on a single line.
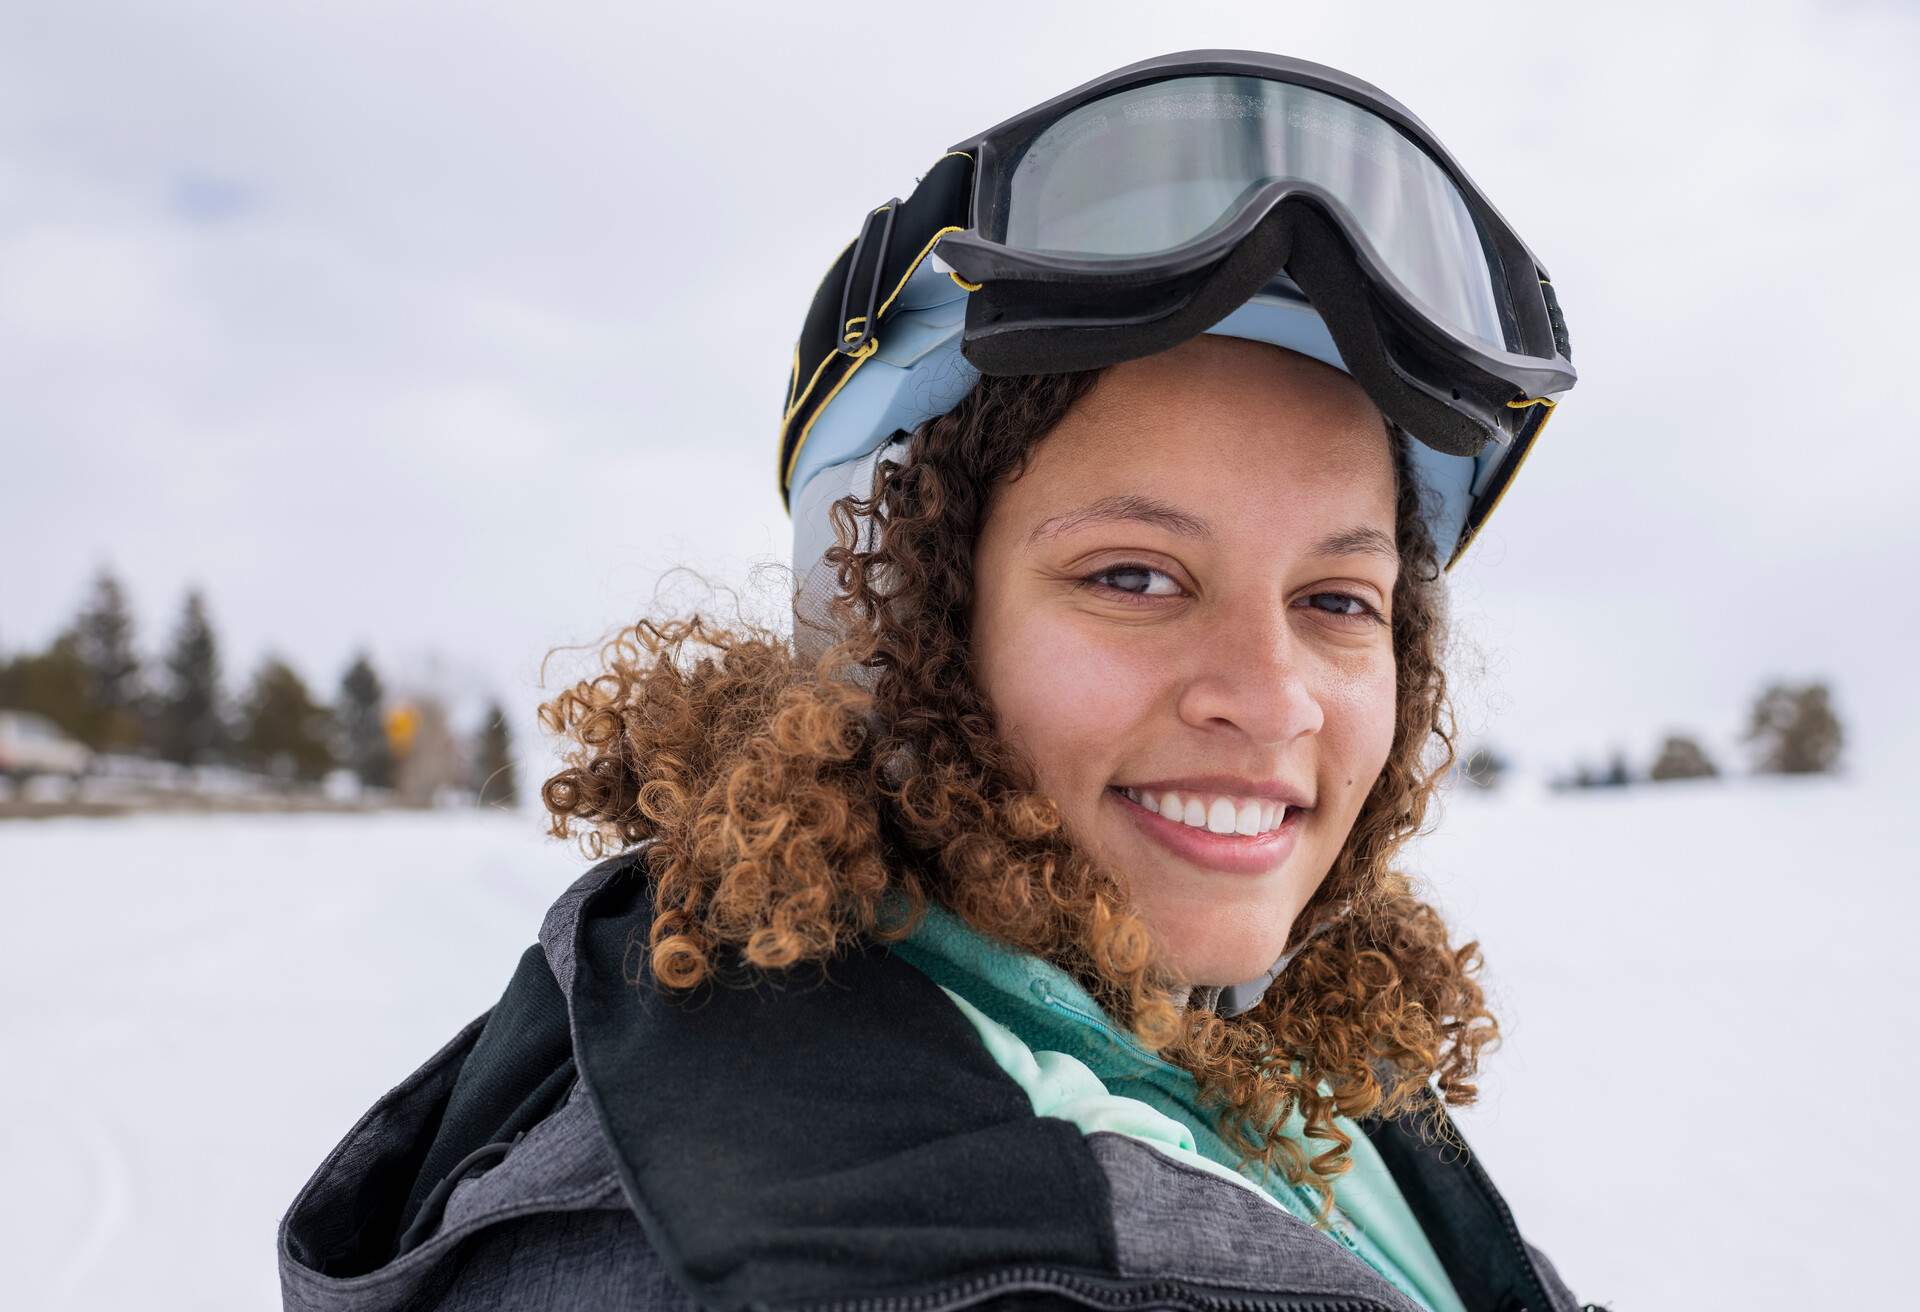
[(1260, 441)]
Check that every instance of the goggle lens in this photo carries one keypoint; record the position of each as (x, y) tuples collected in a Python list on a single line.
[(1157, 167)]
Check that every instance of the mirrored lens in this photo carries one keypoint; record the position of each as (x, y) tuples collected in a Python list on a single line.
[(1155, 167)]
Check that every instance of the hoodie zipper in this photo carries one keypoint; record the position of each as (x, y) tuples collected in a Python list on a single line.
[(1029, 1279)]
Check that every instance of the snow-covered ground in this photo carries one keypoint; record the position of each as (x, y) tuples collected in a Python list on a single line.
[(1706, 988)]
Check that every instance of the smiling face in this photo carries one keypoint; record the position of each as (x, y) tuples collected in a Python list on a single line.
[(1181, 617)]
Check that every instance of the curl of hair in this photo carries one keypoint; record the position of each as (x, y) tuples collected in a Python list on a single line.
[(785, 801)]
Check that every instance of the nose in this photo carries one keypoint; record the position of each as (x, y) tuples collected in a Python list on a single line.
[(1252, 675)]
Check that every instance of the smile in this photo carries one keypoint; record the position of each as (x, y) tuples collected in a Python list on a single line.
[(1232, 834), (1247, 816)]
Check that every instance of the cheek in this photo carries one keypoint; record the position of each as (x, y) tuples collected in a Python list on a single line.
[(1069, 701), (1361, 712)]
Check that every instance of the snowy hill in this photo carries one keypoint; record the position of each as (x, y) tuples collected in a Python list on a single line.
[(1704, 988)]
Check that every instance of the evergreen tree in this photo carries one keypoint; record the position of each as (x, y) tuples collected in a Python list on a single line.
[(103, 641), (52, 683), (358, 712), (284, 731), (1794, 730), (191, 722), (1617, 775), (494, 780)]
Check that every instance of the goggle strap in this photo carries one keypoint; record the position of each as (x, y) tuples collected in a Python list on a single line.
[(853, 300)]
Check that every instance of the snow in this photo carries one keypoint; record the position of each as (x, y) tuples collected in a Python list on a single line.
[(1704, 989), (198, 1009)]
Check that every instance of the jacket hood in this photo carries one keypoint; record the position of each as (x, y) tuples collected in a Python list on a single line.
[(763, 1167)]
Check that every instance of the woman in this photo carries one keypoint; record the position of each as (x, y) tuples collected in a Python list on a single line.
[(1024, 929)]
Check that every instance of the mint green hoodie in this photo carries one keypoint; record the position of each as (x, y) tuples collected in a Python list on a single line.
[(1074, 1062)]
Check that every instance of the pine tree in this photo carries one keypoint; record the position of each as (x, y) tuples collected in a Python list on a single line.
[(191, 723), (1617, 775), (358, 712), (284, 731), (103, 641), (52, 683), (494, 781)]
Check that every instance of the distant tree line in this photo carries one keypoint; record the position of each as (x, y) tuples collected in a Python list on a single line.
[(1792, 729), (92, 682)]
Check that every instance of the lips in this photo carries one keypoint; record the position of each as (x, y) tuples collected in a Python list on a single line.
[(1228, 850)]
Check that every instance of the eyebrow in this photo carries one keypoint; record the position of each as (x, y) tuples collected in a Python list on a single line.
[(1357, 541), (1150, 510), (1108, 510)]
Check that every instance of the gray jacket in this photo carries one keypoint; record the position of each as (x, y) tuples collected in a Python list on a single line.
[(834, 1138)]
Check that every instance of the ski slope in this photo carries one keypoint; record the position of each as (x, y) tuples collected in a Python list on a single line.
[(1706, 992)]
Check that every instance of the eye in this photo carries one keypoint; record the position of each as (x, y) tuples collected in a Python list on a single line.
[(1134, 581), (1346, 606)]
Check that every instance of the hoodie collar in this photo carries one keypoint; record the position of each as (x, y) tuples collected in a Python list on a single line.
[(1050, 1002), (1034, 998)]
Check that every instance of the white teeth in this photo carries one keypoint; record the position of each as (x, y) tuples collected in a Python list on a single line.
[(1221, 816), (1247, 819)]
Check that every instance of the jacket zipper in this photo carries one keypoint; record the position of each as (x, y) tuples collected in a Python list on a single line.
[(1500, 1208), (1484, 1183), (1047, 1279)]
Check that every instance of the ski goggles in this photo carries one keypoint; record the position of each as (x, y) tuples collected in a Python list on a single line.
[(1144, 207)]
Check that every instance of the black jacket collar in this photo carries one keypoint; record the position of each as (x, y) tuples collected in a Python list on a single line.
[(823, 1133)]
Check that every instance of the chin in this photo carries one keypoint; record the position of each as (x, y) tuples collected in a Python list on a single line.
[(1212, 929), (1231, 976), (1206, 959)]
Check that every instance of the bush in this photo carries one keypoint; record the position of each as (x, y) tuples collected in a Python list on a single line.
[(1681, 758), (1794, 730)]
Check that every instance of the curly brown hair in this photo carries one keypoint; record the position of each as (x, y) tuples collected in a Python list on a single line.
[(785, 800)]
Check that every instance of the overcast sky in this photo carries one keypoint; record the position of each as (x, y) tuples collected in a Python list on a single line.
[(447, 333)]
